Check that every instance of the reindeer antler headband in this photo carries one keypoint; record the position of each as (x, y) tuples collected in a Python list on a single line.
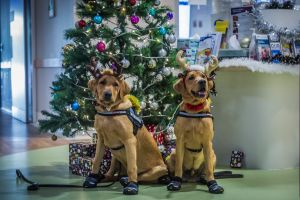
[(96, 68), (209, 67)]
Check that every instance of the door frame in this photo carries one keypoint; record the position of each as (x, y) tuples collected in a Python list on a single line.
[(28, 59), (0, 63)]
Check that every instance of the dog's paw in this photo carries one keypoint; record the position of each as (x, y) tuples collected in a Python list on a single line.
[(124, 181), (214, 188), (131, 189), (175, 184), (91, 181)]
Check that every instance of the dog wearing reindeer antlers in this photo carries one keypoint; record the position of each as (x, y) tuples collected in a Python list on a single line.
[(121, 129), (194, 126)]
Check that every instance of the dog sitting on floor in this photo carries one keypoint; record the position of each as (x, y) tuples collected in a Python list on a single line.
[(194, 126), (120, 129)]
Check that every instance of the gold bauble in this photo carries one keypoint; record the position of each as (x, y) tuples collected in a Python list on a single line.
[(68, 47)]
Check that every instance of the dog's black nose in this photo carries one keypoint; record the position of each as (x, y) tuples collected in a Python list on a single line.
[(202, 82), (107, 96)]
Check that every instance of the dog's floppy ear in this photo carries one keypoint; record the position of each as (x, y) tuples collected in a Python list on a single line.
[(211, 84), (125, 89), (92, 85), (179, 86)]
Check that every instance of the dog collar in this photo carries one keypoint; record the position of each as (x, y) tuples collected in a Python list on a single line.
[(195, 108)]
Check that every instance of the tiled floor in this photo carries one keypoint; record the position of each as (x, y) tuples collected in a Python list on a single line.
[(15, 136)]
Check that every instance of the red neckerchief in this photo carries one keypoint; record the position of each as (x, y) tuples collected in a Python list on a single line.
[(195, 108)]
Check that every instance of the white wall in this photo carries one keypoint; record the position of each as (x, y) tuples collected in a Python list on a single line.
[(49, 40), (257, 113)]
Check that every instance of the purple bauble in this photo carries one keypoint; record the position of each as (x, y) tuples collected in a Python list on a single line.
[(113, 67), (170, 15), (101, 46), (134, 19)]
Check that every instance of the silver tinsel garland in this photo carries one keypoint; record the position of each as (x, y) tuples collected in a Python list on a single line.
[(265, 27)]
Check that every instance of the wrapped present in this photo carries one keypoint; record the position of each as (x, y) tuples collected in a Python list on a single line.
[(107, 153), (169, 136), (236, 159), (159, 138), (157, 135), (151, 128), (82, 149), (83, 165), (167, 151), (81, 156)]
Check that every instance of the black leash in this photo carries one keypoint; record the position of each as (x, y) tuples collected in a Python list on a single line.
[(227, 174), (35, 186)]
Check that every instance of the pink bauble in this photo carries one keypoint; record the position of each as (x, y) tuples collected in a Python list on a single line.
[(134, 19), (101, 46)]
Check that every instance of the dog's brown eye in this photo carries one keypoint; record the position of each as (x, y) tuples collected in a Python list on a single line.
[(102, 82), (191, 78), (115, 84)]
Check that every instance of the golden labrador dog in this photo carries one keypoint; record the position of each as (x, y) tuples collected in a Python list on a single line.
[(134, 147), (194, 126)]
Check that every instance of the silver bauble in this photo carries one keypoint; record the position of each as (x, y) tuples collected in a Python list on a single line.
[(170, 130), (157, 2), (154, 105), (152, 63), (149, 19), (117, 31), (161, 148), (245, 42), (171, 38), (150, 97), (125, 63), (143, 104), (166, 71), (77, 25), (99, 66), (159, 77), (162, 53)]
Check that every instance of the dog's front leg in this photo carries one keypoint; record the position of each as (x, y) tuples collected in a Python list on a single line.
[(94, 177), (175, 184), (99, 155), (131, 156), (209, 161), (208, 157)]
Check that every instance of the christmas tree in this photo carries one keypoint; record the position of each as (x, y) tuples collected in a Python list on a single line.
[(136, 34)]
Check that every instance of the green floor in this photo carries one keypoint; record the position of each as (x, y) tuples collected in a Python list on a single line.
[(51, 166)]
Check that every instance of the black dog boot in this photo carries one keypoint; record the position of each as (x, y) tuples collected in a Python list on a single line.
[(124, 181), (131, 189), (214, 188), (92, 180), (175, 184)]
